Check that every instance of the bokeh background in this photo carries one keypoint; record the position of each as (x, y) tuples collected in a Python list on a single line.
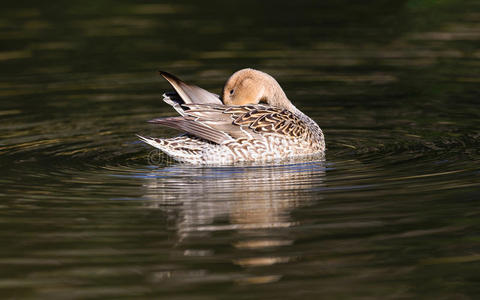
[(392, 213)]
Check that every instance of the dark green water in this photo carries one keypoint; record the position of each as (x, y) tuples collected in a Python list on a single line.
[(392, 213)]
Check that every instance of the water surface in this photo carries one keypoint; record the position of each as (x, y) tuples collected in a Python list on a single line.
[(89, 212)]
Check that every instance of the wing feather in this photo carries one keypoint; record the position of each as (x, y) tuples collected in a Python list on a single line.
[(203, 114), (193, 127), (190, 93)]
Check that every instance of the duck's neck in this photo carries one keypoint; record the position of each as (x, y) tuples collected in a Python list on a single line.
[(279, 99), (276, 96), (302, 116)]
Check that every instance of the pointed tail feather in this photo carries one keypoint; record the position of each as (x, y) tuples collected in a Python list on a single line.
[(186, 153)]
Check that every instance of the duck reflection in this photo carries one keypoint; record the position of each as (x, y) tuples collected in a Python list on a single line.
[(253, 201)]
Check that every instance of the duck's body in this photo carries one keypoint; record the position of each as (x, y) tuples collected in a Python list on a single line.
[(239, 129)]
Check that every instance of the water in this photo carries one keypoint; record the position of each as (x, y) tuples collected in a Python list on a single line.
[(393, 211)]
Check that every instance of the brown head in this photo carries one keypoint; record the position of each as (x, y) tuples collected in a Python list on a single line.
[(249, 86)]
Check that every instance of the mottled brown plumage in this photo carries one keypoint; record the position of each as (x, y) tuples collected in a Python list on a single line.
[(239, 129)]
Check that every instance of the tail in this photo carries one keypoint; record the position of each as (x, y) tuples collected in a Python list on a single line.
[(182, 148), (157, 143)]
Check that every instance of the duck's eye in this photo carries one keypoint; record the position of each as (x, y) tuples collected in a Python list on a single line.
[(231, 92)]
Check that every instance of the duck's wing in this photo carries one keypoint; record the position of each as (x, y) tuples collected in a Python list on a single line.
[(264, 120), (206, 121), (186, 93), (220, 123), (194, 127)]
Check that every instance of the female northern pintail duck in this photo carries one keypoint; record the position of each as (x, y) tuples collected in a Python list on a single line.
[(239, 128)]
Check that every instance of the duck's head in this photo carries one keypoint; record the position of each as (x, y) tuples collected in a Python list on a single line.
[(249, 86)]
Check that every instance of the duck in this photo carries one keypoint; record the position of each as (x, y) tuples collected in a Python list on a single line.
[(252, 121)]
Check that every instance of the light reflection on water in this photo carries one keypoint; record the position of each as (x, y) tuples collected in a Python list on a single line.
[(248, 199), (251, 197)]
